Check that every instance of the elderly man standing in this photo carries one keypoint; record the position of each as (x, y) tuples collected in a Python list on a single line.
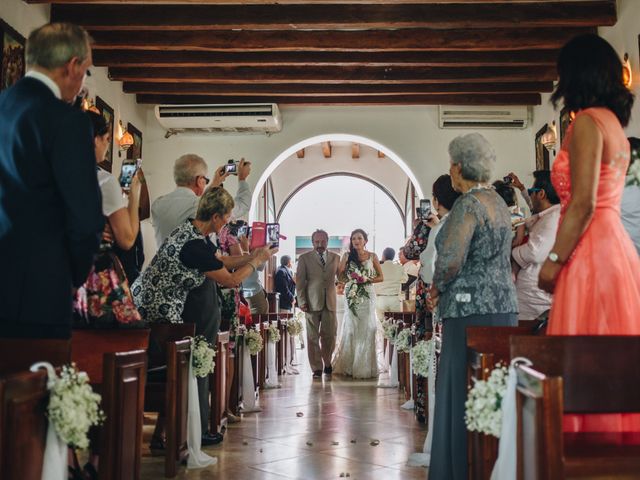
[(388, 291), (48, 184)]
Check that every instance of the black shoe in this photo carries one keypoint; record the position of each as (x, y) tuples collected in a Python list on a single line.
[(211, 439), (317, 374), (328, 370)]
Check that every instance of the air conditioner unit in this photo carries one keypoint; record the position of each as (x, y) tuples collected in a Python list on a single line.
[(247, 118), (483, 117)]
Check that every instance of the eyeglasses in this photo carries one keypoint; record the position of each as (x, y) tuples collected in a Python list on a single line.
[(531, 191), (206, 180)]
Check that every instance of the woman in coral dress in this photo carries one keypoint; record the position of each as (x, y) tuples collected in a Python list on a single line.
[(593, 268)]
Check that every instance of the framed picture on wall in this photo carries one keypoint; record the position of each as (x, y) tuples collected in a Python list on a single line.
[(542, 154), (11, 56), (107, 113), (135, 151), (565, 121)]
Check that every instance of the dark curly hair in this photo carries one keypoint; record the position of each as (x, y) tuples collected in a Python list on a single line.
[(98, 123), (353, 254), (590, 74)]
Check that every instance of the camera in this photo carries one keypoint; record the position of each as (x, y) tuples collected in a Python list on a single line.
[(273, 234), (129, 169), (425, 208), (244, 231), (508, 180), (231, 167)]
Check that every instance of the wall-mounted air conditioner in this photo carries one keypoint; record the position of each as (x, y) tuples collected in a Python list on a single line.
[(483, 117), (247, 118)]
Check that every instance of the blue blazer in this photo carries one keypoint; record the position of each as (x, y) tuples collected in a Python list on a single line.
[(50, 210)]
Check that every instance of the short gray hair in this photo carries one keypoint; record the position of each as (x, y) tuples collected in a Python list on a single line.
[(54, 44), (215, 200), (475, 155), (284, 260), (187, 168), (319, 232)]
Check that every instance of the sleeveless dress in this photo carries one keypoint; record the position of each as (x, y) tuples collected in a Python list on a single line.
[(356, 355), (598, 290)]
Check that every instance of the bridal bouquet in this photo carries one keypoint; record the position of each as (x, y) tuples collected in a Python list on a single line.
[(253, 340), (403, 340), (203, 354), (389, 329), (274, 333), (241, 330), (633, 175), (74, 407), (484, 403), (423, 352), (355, 287), (294, 325)]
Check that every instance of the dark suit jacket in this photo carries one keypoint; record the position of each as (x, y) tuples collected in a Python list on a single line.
[(50, 209), (286, 287)]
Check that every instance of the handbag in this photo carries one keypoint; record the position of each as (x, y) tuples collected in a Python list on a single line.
[(105, 300)]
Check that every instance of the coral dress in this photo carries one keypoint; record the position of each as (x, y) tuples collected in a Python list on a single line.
[(598, 290)]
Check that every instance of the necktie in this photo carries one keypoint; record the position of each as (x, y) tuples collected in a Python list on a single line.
[(324, 264)]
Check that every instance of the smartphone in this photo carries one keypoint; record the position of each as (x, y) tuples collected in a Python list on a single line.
[(129, 169), (231, 167), (507, 180), (244, 231), (425, 208), (273, 234), (418, 212)]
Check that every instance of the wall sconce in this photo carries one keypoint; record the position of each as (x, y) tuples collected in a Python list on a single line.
[(550, 137), (627, 77), (125, 139)]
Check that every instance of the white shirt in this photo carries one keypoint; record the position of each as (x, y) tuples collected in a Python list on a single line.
[(242, 201), (429, 254), (171, 210), (53, 86), (411, 268), (530, 256), (394, 276), (630, 212), (112, 199)]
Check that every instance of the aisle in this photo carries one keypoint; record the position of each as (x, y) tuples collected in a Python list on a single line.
[(274, 444)]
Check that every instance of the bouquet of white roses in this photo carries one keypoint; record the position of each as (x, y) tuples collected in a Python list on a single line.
[(403, 340), (355, 289), (74, 407), (253, 341), (422, 353), (389, 329), (484, 403), (633, 175), (294, 324), (274, 333), (202, 355)]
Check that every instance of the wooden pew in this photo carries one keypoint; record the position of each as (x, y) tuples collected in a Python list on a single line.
[(404, 367), (218, 384), (576, 374), (23, 425), (18, 354), (487, 346), (234, 377), (167, 386)]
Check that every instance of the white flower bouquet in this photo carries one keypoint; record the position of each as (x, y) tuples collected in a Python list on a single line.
[(422, 353), (484, 403), (403, 340), (74, 407), (633, 175), (202, 355), (389, 329), (253, 340), (294, 324), (274, 333)]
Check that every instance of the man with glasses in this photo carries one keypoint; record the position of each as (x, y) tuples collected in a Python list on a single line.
[(529, 256), (50, 204)]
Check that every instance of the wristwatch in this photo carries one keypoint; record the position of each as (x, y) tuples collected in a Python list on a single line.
[(553, 257)]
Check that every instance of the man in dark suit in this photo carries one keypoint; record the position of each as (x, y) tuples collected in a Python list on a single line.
[(50, 203), (285, 285)]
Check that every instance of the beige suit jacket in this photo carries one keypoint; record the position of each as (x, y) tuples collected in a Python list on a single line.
[(317, 284)]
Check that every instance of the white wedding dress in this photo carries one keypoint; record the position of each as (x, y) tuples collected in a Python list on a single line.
[(356, 355)]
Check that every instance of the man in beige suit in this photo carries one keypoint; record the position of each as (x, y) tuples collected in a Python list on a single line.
[(316, 283)]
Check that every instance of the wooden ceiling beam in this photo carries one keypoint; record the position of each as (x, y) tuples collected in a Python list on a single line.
[(127, 17), (488, 39), (300, 153), (288, 2), (194, 58), (355, 150), (333, 75), (326, 149), (309, 89), (427, 99)]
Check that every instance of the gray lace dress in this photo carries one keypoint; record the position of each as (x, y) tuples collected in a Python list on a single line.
[(473, 275)]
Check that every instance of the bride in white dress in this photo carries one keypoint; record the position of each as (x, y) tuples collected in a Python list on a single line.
[(359, 270)]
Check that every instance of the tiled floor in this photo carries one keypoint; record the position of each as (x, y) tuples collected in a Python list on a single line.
[(331, 440)]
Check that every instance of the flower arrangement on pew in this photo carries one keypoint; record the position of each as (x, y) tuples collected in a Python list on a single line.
[(253, 340), (484, 403), (423, 353), (403, 340), (274, 332), (73, 406), (389, 328), (294, 324), (202, 356)]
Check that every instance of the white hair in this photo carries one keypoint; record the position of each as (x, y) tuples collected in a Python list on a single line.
[(187, 168), (475, 155)]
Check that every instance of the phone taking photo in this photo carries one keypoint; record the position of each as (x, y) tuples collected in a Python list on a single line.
[(273, 235), (425, 208), (127, 173), (231, 167)]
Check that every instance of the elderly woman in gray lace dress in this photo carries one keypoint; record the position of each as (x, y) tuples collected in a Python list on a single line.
[(471, 286)]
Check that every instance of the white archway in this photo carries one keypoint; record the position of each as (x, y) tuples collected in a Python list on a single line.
[(337, 137)]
